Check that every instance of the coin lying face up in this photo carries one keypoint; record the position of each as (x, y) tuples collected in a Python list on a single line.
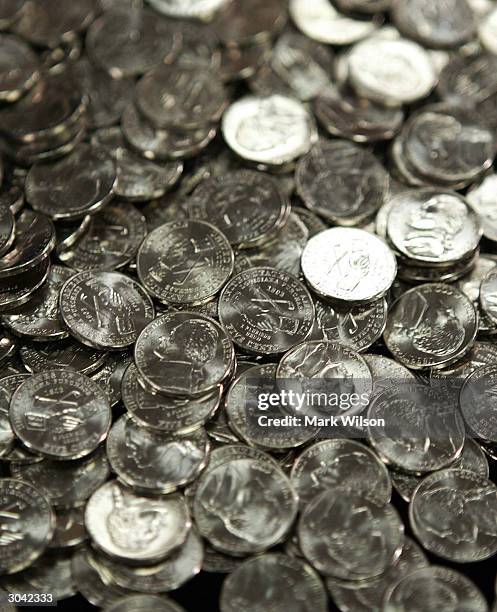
[(348, 264)]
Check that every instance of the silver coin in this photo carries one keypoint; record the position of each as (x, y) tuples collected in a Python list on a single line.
[(163, 143), (486, 30), (162, 412), (341, 182), (106, 310), (348, 264), (60, 414), (243, 22), (481, 198), (250, 522), (241, 409), (52, 573), (367, 595), (110, 375), (135, 529), (127, 42), (472, 458), (143, 603), (312, 222), (433, 227), (34, 240), (272, 130), (266, 310), (343, 114), (19, 289), (198, 9), (180, 567), (246, 206), (480, 355), (43, 24), (391, 72), (19, 68), (273, 582), (431, 588), (471, 282), (477, 402), (185, 262), (422, 430), (10, 11), (298, 66), (13, 197), (67, 354), (431, 326), (69, 528), (154, 462), (323, 23), (170, 207), (345, 535), (449, 143), (282, 252), (243, 62), (357, 327), (8, 385), (138, 179), (452, 513), (65, 483), (364, 6), (340, 463), (444, 26), (27, 524), (107, 97), (90, 583), (386, 371), (183, 353), (488, 295), (180, 96), (74, 186), (40, 318), (111, 242)]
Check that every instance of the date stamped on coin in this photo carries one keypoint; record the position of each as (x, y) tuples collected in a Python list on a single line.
[(28, 599)]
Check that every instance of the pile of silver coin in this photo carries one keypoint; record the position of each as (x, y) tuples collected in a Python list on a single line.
[(197, 194)]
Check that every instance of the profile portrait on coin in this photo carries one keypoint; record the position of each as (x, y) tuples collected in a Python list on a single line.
[(135, 522), (188, 349)]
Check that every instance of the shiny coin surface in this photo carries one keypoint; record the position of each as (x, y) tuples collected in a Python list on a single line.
[(273, 582), (448, 143), (52, 573), (180, 96), (452, 513), (152, 461), (179, 567), (431, 588), (323, 23), (74, 186), (449, 25), (355, 326), (40, 318), (183, 353), (482, 198), (272, 130), (60, 414), (337, 463), (253, 21), (345, 535), (27, 524), (477, 402), (433, 227), (135, 529), (111, 242), (391, 72), (34, 240), (249, 522), (266, 310), (7, 227), (341, 182), (165, 412), (69, 528), (246, 206), (65, 483), (141, 603), (70, 355), (422, 430), (198, 9), (18, 289), (346, 115), (488, 295), (129, 41), (348, 264), (367, 595), (19, 68), (431, 326), (105, 310), (185, 262)]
